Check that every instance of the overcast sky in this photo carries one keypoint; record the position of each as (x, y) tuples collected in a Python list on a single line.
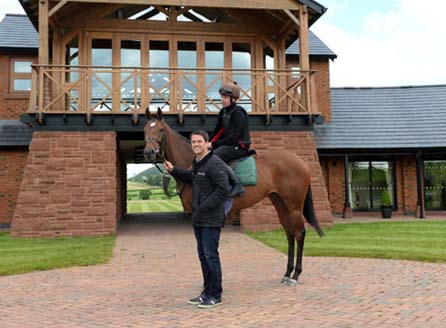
[(378, 42)]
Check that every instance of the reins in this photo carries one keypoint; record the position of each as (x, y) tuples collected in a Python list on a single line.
[(166, 177)]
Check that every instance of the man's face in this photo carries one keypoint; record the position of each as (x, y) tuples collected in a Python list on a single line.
[(225, 100), (199, 145)]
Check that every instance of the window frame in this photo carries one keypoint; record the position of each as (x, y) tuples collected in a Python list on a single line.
[(19, 76)]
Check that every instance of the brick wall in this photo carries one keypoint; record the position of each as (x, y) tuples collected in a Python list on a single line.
[(263, 216), (408, 166), (333, 171), (322, 79), (69, 186), (11, 105), (12, 165)]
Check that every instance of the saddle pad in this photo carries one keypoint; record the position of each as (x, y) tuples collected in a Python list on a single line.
[(246, 171)]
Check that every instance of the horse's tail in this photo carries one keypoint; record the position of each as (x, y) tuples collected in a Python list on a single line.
[(310, 214)]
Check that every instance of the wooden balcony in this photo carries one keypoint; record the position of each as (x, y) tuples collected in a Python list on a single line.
[(96, 90)]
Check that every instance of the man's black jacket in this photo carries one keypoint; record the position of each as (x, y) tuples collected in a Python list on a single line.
[(210, 188)]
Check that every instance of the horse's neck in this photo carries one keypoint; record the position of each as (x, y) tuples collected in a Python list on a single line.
[(178, 151)]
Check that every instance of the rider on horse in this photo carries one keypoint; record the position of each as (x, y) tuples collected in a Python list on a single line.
[(230, 139)]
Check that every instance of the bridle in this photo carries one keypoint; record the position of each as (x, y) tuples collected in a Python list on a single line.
[(161, 142)]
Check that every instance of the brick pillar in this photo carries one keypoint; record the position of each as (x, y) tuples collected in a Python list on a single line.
[(69, 186), (12, 165), (409, 168), (263, 216)]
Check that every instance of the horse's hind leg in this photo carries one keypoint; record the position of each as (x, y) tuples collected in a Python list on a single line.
[(290, 264), (284, 219), (296, 218), (300, 252)]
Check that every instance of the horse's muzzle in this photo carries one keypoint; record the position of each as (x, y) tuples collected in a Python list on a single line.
[(150, 154)]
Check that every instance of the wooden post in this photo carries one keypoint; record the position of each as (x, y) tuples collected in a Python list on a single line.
[(304, 58), (43, 32)]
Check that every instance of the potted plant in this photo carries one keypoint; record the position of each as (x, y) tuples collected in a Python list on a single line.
[(386, 204)]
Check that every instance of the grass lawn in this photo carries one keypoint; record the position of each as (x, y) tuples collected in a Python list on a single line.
[(20, 255), (418, 241), (154, 205)]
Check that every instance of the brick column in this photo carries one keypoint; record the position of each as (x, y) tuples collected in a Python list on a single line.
[(263, 216), (12, 165), (69, 186)]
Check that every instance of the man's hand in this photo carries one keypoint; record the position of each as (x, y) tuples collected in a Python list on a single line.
[(168, 166)]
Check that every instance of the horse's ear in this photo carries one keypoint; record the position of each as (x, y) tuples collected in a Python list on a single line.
[(159, 114), (148, 114)]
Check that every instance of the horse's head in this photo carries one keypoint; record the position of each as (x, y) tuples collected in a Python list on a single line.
[(154, 135)]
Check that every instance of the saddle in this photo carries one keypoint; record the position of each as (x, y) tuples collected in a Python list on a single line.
[(245, 169)]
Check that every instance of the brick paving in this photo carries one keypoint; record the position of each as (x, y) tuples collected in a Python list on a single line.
[(154, 270)]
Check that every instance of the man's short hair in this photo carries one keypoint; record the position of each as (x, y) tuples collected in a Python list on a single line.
[(202, 133)]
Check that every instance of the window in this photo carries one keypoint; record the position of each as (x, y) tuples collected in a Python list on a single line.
[(435, 184), (368, 182), (20, 75)]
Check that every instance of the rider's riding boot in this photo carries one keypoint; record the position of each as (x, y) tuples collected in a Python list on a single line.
[(235, 184)]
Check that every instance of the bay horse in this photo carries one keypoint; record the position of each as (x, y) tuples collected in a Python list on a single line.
[(281, 176)]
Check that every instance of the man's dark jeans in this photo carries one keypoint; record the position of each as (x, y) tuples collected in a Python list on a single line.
[(207, 248)]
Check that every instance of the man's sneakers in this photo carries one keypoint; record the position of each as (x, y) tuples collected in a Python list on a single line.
[(204, 302), (197, 300), (209, 303)]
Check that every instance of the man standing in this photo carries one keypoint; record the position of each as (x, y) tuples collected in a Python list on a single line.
[(210, 189)]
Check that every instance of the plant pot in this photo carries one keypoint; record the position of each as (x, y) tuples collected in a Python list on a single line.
[(386, 211)]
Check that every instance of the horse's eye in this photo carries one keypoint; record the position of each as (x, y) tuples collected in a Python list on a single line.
[(162, 129)]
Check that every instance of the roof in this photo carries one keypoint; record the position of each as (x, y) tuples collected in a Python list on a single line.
[(386, 117), (16, 31), (315, 47), (14, 133)]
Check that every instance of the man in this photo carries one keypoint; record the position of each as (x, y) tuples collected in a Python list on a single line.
[(230, 138), (210, 188)]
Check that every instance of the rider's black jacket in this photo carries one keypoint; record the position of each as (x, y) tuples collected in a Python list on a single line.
[(233, 119)]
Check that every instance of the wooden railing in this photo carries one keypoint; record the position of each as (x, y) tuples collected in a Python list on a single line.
[(130, 90)]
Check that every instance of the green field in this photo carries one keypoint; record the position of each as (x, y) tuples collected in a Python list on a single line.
[(161, 205), (158, 201), (417, 241)]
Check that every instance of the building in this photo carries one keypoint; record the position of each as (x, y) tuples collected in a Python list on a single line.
[(101, 63), (385, 141)]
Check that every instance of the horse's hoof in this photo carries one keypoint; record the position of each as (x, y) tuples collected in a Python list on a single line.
[(292, 282), (289, 281), (284, 280)]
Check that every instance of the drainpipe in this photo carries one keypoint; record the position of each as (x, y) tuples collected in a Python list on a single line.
[(420, 199), (348, 212)]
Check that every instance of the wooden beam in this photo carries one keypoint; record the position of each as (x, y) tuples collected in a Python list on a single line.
[(121, 25), (293, 18), (57, 7), (304, 57), (43, 32), (249, 4)]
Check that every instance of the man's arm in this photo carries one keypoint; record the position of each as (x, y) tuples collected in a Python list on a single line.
[(179, 173)]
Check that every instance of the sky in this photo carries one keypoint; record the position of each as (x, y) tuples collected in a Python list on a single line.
[(378, 42)]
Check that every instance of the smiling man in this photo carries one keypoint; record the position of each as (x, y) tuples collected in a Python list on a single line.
[(210, 188)]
